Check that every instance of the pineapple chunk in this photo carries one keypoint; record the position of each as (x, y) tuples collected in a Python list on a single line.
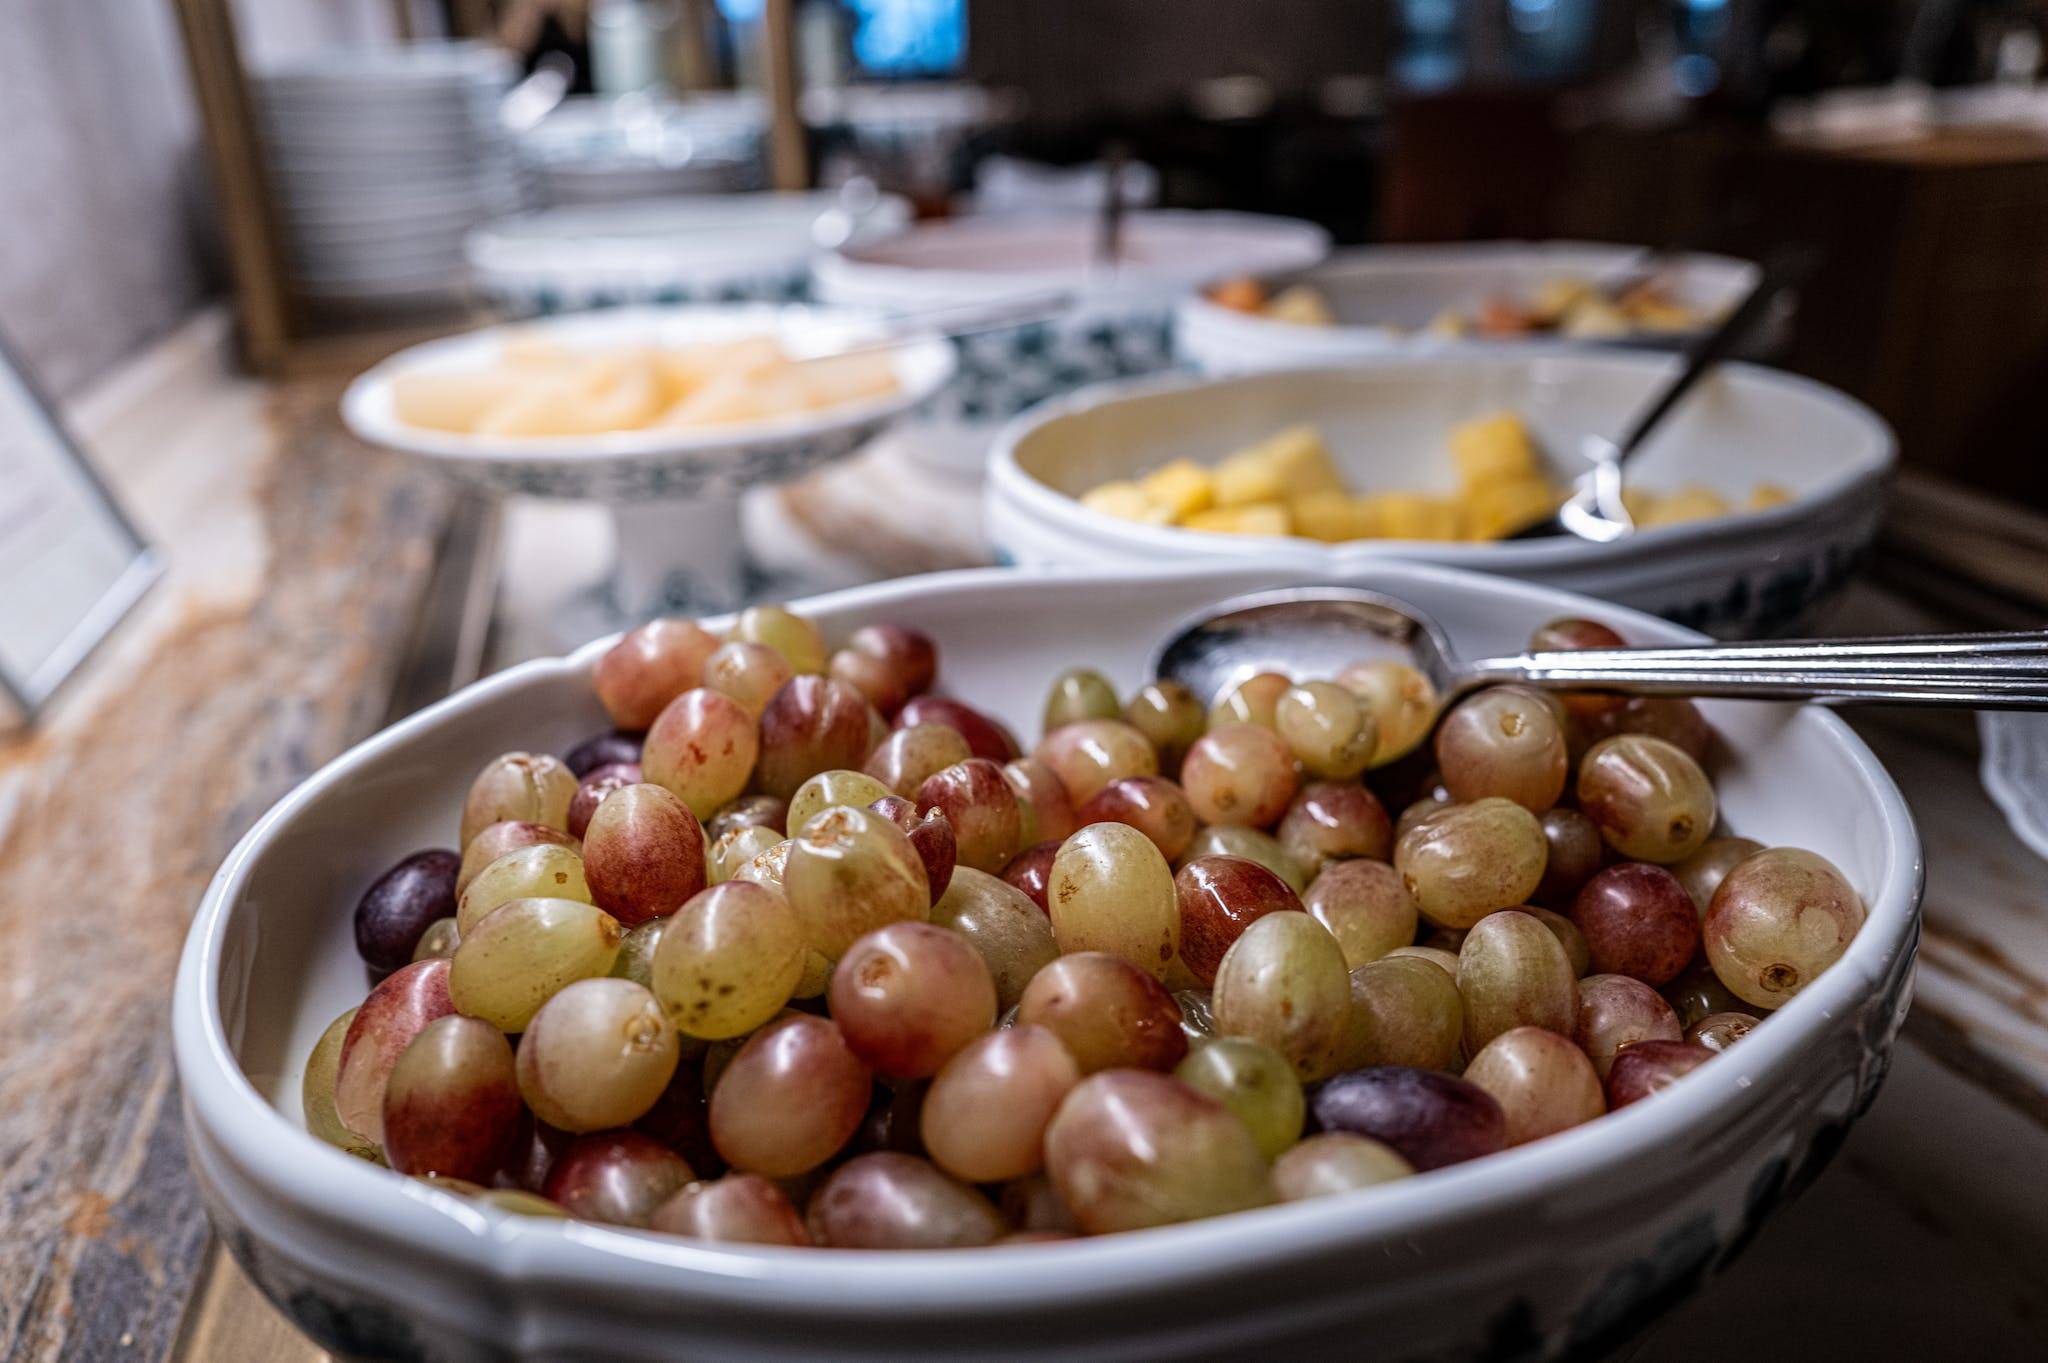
[(1335, 517), (1555, 297), (1498, 509), (1766, 495), (1417, 516), (1126, 501), (1256, 518), (1183, 487), (1493, 449), (1289, 463), (1687, 504), (1594, 319), (1301, 306)]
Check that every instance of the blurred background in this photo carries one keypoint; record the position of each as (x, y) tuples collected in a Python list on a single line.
[(1907, 139)]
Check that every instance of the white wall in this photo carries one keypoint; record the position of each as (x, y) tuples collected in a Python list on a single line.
[(106, 236)]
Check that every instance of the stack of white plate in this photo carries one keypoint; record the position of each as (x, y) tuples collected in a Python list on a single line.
[(597, 149), (382, 159)]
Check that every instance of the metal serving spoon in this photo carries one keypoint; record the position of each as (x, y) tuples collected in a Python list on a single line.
[(1317, 631), (1595, 511)]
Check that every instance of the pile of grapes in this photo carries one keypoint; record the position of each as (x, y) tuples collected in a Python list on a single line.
[(803, 954)]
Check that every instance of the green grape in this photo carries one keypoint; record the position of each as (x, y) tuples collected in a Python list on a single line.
[(507, 836), (1131, 1148), (1568, 936), (1331, 731), (1648, 798), (543, 871), (1401, 700), (1447, 961), (730, 959), (1256, 1083), (769, 867), (1779, 919), (1718, 1031), (1079, 693), (1240, 774), (597, 1055), (1365, 907), (1110, 890), (635, 960), (519, 1202), (1283, 983), (1543, 1083), (750, 673), (1229, 840), (1702, 873), (1255, 700), (316, 1093), (738, 846), (1467, 861), (852, 871), (1336, 1162), (827, 788), (1405, 1011), (1090, 754), (1012, 934), (521, 786), (1170, 717), (1513, 972), (743, 1209), (788, 633), (524, 952), (439, 941)]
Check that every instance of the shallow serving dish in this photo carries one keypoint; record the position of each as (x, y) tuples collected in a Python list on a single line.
[(1563, 1246), (1384, 298), (1387, 421), (674, 494)]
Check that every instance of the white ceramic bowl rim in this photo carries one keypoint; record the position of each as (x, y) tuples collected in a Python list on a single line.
[(1878, 448), (922, 368), (797, 1282)]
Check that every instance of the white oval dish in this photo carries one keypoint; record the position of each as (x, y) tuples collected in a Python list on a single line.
[(1383, 298), (1386, 422), (1121, 324), (1566, 1245)]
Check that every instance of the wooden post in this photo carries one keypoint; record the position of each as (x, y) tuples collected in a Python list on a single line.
[(788, 158), (263, 304)]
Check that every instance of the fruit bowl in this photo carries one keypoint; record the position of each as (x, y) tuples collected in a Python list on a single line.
[(1561, 1247), (1386, 423)]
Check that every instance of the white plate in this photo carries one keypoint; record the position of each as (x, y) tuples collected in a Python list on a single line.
[(1564, 1246)]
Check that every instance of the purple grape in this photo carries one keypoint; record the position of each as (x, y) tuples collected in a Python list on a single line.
[(1430, 1118), (602, 750), (402, 903)]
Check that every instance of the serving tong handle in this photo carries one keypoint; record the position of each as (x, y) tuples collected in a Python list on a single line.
[(2005, 671)]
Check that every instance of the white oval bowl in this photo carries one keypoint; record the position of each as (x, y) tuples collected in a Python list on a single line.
[(1384, 296), (1121, 323), (1565, 1245), (643, 465), (1386, 421)]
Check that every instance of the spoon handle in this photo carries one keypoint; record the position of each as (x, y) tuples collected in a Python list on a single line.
[(1982, 671)]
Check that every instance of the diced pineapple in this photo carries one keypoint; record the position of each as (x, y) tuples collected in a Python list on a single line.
[(1247, 478), (1449, 323), (1126, 501), (1659, 314), (1555, 297), (1491, 449), (1766, 495), (1637, 502), (1256, 518), (1183, 487), (1301, 306), (1287, 464), (1496, 510), (1594, 319), (1335, 517), (1416, 516), (1687, 504)]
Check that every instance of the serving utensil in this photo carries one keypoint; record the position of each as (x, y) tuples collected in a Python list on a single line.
[(1317, 631), (1595, 510)]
